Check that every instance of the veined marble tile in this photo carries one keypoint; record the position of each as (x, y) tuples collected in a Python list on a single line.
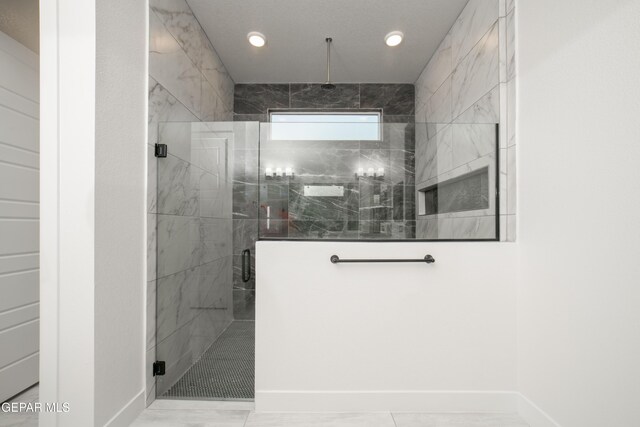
[(258, 98), (472, 141), (177, 136), (393, 99), (151, 314), (320, 419), (485, 110), (503, 181), (439, 66), (179, 20), (311, 95), (179, 243), (178, 187), (439, 105), (209, 100), (477, 73), (176, 352), (170, 66), (511, 113), (457, 420), (511, 45), (502, 47), (426, 160), (164, 107), (152, 180), (444, 150), (217, 239), (474, 22), (483, 227), (152, 246), (191, 417), (216, 73), (176, 302), (150, 380), (510, 5)]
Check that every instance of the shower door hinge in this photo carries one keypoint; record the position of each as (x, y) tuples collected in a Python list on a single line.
[(161, 150), (158, 368)]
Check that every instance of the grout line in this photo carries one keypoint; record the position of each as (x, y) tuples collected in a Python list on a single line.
[(394, 419)]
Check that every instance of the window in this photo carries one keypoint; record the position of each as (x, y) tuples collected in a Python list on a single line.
[(331, 126)]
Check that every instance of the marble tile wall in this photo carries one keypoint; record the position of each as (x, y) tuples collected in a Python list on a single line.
[(190, 277), (294, 215), (469, 83)]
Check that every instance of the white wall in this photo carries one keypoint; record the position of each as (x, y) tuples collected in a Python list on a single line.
[(93, 110), (412, 337), (19, 196), (579, 201)]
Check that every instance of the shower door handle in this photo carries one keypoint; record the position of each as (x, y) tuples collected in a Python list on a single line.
[(246, 265)]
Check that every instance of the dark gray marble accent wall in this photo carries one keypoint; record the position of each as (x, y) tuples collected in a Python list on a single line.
[(371, 208)]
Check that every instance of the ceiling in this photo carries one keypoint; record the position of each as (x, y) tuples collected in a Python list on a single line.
[(19, 20), (296, 30)]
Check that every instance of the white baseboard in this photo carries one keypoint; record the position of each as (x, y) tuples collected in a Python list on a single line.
[(533, 415), (377, 401), (129, 412)]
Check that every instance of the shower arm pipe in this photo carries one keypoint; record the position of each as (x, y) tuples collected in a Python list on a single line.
[(328, 40), (335, 259)]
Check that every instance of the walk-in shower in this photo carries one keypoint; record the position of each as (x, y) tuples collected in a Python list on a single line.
[(306, 174)]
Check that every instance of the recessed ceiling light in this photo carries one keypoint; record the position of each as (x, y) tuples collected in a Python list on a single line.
[(256, 39), (394, 38)]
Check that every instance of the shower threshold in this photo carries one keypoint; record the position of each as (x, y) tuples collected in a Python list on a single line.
[(225, 371)]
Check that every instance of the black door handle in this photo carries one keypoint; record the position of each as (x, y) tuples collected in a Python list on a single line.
[(246, 265)]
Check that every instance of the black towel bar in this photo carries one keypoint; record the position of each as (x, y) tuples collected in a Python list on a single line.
[(335, 259)]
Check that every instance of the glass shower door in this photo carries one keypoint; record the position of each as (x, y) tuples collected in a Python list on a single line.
[(194, 286)]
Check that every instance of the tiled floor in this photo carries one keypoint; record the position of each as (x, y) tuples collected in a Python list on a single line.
[(237, 414), (225, 370), (28, 419)]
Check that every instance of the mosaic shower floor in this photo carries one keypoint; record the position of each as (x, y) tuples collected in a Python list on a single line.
[(225, 370)]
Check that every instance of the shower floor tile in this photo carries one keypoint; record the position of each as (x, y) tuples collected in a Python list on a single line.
[(225, 370)]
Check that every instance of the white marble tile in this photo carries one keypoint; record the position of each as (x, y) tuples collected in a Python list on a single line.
[(510, 40), (175, 350), (439, 66), (217, 237), (177, 136), (503, 228), (485, 110), (152, 179), (511, 180), (178, 187), (151, 314), (439, 105), (471, 142), (217, 75), (164, 107), (502, 46), (152, 246), (170, 66), (476, 74), (504, 107), (320, 419), (473, 23), (21, 419), (457, 420), (444, 147), (177, 302), (511, 113), (150, 380), (510, 5), (191, 418), (179, 244)]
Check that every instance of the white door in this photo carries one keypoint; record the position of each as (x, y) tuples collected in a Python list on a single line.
[(19, 206)]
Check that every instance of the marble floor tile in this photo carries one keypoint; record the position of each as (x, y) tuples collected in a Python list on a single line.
[(26, 419), (457, 420), (190, 417), (320, 419)]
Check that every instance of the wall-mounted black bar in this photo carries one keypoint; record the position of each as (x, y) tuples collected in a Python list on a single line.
[(335, 259)]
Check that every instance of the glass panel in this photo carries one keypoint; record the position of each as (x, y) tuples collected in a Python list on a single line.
[(418, 181), (195, 262)]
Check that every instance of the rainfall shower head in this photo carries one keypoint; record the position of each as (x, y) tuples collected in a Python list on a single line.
[(328, 85)]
